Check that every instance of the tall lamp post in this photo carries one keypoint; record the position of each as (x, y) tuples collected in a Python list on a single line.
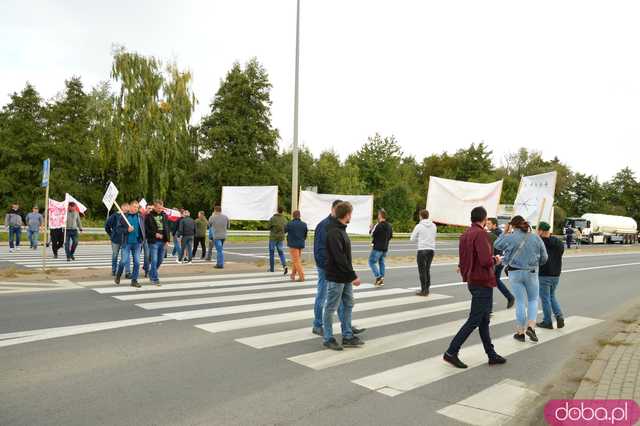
[(294, 153)]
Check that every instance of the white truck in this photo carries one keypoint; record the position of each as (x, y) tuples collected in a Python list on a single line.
[(604, 228)]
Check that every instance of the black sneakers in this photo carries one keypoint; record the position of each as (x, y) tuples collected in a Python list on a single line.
[(532, 334), (117, 279), (560, 322), (286, 270), (352, 342), (135, 283), (454, 360), (543, 324), (356, 330), (127, 276), (333, 345), (496, 360), (519, 337), (511, 302), (317, 331)]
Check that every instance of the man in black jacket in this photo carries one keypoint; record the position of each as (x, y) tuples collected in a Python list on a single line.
[(340, 279), (381, 234), (156, 228), (186, 233), (549, 277)]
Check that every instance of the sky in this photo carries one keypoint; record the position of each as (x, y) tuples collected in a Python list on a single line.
[(560, 77)]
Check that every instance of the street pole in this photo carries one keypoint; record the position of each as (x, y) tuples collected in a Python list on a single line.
[(46, 229), (294, 153)]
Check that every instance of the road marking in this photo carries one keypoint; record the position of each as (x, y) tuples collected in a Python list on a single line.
[(402, 379), (50, 333), (176, 293), (240, 309), (290, 336), (324, 359), (484, 409), (252, 322), (233, 298), (221, 276)]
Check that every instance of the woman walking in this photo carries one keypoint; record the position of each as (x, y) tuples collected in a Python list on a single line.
[(524, 252), (296, 231)]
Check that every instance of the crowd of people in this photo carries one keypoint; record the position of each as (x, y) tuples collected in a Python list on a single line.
[(531, 260)]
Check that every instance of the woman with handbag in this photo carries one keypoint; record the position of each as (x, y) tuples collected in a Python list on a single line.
[(524, 252)]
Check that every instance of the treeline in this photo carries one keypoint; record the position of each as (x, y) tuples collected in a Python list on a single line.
[(135, 129)]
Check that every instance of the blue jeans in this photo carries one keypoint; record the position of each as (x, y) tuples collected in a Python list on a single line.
[(273, 246), (34, 236), (176, 246), (69, 247), (14, 233), (524, 284), (186, 247), (338, 293), (548, 286), (321, 298), (479, 317), (377, 258), (130, 249), (501, 285), (156, 256), (219, 244), (116, 250)]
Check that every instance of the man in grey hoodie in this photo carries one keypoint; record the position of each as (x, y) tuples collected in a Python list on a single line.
[(424, 234), (13, 221), (73, 227), (35, 222), (219, 223)]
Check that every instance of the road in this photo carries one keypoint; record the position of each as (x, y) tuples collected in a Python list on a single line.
[(237, 350)]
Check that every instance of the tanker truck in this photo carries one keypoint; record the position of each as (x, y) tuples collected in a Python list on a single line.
[(604, 228)]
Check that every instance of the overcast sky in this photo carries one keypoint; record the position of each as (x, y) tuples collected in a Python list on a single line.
[(562, 77)]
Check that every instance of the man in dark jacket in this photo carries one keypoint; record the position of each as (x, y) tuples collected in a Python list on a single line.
[(277, 223), (477, 267), (13, 222), (381, 234), (549, 277), (156, 229), (494, 233), (296, 231), (340, 279), (134, 237), (186, 233), (117, 237)]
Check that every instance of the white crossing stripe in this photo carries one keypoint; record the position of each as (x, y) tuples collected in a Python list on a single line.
[(241, 309), (402, 379), (252, 322), (198, 284), (220, 276), (177, 293), (290, 336), (395, 342), (233, 298)]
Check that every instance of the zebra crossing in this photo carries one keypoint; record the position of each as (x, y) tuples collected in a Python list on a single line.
[(214, 302)]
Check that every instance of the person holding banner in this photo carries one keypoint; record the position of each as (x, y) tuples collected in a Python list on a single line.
[(116, 227), (74, 226), (134, 236), (156, 230)]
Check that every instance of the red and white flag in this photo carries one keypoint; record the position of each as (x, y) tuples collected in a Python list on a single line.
[(68, 198)]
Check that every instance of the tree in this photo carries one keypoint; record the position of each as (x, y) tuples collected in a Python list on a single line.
[(378, 161), (400, 206), (623, 194)]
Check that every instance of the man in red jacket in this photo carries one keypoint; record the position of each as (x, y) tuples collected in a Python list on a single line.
[(476, 265)]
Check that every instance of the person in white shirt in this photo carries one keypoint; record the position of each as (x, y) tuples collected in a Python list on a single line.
[(425, 235)]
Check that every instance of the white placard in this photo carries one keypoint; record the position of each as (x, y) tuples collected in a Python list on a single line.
[(249, 202), (529, 200), (315, 207), (451, 201), (110, 196), (68, 198)]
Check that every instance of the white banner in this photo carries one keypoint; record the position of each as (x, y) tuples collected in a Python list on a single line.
[(68, 198), (249, 202), (57, 214), (451, 201), (535, 197), (315, 207), (110, 196)]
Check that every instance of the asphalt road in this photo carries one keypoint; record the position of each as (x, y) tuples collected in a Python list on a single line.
[(171, 372)]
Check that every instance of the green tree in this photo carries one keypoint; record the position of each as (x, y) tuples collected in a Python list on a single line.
[(378, 161), (400, 206)]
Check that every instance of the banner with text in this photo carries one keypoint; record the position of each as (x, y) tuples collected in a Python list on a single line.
[(249, 202), (535, 197), (57, 214), (314, 207)]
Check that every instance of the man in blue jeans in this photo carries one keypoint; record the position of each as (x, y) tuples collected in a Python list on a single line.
[(114, 228), (156, 230), (381, 234), (340, 280), (549, 278), (134, 236), (218, 224), (13, 221), (277, 225)]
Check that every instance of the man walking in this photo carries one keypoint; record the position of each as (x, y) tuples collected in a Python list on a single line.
[(57, 240), (477, 267), (340, 280), (74, 226), (156, 230), (186, 233), (13, 222), (549, 277), (296, 237), (424, 234), (134, 236), (494, 233), (201, 235), (277, 224), (219, 223), (35, 222), (115, 227), (174, 223), (381, 234)]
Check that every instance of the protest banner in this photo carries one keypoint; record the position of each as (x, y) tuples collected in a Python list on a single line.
[(315, 207), (535, 198), (249, 202), (109, 199)]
